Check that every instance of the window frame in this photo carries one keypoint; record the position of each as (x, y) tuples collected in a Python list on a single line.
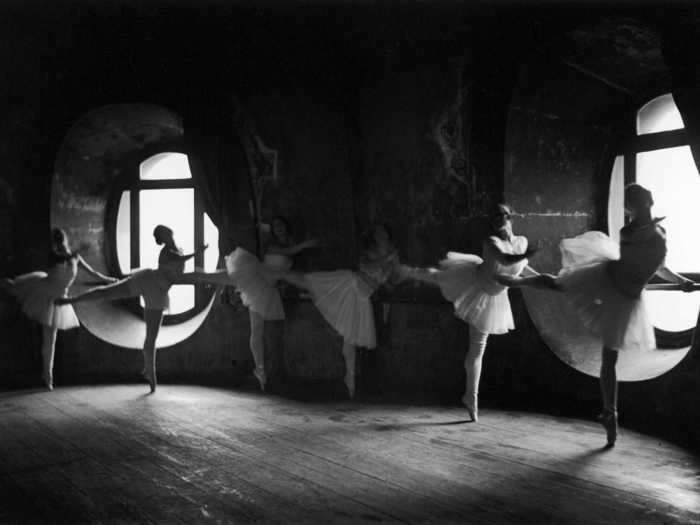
[(129, 180), (630, 145)]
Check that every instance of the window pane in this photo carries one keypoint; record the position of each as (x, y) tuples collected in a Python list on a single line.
[(616, 202), (659, 114), (671, 176), (173, 208), (211, 237), (673, 311), (124, 233), (673, 179), (165, 166)]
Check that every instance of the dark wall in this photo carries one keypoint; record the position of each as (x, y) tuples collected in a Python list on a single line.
[(417, 116)]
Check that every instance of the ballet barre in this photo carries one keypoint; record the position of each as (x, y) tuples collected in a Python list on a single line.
[(670, 286)]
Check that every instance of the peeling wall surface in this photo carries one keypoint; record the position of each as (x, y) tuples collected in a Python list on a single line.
[(419, 117)]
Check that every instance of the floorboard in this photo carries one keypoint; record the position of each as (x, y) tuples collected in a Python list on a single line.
[(112, 454)]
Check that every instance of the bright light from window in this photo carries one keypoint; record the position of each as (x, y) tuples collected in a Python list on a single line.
[(670, 174), (616, 202), (211, 237), (659, 114), (165, 166), (175, 209), (172, 207), (673, 311), (124, 233)]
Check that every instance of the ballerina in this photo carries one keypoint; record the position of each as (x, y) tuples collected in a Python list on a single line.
[(605, 283), (471, 283), (344, 297), (256, 283), (153, 286), (37, 291)]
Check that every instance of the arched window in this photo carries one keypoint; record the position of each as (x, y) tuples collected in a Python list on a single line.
[(657, 156), (164, 193)]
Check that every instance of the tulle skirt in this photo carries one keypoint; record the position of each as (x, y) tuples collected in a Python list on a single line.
[(477, 299), (153, 286), (621, 321), (36, 293), (343, 298), (256, 284)]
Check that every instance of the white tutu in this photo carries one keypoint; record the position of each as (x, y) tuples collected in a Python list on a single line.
[(343, 298), (37, 291), (477, 298), (255, 284), (620, 320), (153, 286)]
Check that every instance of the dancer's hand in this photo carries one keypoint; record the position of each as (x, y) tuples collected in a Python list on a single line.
[(310, 243), (688, 285)]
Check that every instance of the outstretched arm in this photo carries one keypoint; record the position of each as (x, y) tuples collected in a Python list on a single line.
[(293, 249), (89, 269), (669, 275), (184, 257)]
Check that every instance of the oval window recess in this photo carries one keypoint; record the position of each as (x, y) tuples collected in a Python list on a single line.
[(84, 176)]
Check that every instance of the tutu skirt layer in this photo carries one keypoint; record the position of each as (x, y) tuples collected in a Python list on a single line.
[(153, 286), (620, 320), (256, 284), (343, 298), (477, 300), (36, 293)]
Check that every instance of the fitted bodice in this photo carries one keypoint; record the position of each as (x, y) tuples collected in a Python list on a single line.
[(278, 261), (64, 272), (376, 269), (642, 253), (171, 264), (492, 266)]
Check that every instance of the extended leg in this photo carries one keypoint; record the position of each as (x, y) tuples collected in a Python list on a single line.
[(109, 292), (48, 350), (220, 277), (472, 366), (350, 354), (297, 279), (608, 390), (153, 319), (257, 347)]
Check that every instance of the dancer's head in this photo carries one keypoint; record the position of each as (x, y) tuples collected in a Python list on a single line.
[(638, 200), (280, 227), (499, 219), (376, 236), (163, 234), (59, 240)]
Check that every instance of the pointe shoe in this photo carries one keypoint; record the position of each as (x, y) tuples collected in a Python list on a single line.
[(472, 407), (349, 380), (150, 380), (608, 418), (48, 381), (260, 375)]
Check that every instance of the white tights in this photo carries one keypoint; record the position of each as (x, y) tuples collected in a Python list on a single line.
[(472, 363)]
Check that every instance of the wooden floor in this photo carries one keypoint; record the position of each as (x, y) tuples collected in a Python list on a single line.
[(112, 454)]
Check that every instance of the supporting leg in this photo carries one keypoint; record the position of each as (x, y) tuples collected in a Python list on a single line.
[(608, 390), (257, 347), (48, 350), (349, 354), (153, 319), (472, 366)]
